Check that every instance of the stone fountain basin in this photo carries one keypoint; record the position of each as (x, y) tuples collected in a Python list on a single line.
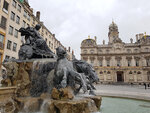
[(9, 103)]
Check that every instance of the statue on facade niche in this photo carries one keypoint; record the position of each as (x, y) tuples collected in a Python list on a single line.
[(35, 46)]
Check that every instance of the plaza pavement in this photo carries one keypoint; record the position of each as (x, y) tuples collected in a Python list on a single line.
[(125, 91)]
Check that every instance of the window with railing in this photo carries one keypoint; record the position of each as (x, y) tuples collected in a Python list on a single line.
[(148, 61), (19, 8), (11, 30), (25, 14), (16, 33), (92, 62), (146, 49), (14, 3), (118, 62), (18, 20), (108, 63), (92, 51), (9, 44), (5, 6), (137, 63), (128, 50), (28, 17), (12, 16), (3, 22), (14, 46), (24, 24), (101, 63), (129, 62), (1, 41)]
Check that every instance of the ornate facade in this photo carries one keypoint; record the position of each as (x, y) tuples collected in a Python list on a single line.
[(118, 61)]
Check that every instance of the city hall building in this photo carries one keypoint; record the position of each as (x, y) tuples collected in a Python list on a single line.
[(118, 61)]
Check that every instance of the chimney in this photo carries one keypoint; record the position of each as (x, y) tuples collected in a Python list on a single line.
[(137, 37), (69, 49), (131, 40), (31, 10), (72, 52), (103, 42), (53, 35), (38, 15)]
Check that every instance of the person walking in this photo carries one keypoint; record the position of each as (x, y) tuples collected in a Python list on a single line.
[(145, 85)]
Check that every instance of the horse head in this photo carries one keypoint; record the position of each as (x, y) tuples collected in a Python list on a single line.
[(61, 53), (92, 74)]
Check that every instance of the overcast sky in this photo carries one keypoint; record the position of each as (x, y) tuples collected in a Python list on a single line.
[(73, 20)]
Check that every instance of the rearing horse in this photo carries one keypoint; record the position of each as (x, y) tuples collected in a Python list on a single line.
[(64, 72)]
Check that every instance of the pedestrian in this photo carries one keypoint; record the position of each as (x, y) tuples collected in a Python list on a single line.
[(148, 85), (145, 85)]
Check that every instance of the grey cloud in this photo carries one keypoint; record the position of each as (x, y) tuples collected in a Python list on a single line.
[(73, 20)]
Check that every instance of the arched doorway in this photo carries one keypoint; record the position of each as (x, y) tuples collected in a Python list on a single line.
[(120, 76)]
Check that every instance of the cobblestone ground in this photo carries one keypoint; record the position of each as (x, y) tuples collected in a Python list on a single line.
[(134, 91), (128, 88)]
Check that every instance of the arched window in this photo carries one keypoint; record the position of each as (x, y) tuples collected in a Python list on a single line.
[(107, 51), (118, 62), (92, 51), (128, 50), (108, 63), (84, 51), (137, 62), (136, 50), (138, 72), (100, 63), (130, 72), (101, 72), (146, 49), (108, 72), (148, 61), (100, 51), (129, 62)]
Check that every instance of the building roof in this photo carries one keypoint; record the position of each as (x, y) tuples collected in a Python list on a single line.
[(113, 25), (88, 42)]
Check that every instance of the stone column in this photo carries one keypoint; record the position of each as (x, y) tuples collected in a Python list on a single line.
[(104, 61), (132, 61)]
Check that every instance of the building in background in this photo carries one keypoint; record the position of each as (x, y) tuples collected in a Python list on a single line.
[(15, 14), (4, 7), (118, 61)]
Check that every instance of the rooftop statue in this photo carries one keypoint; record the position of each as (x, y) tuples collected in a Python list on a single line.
[(35, 46)]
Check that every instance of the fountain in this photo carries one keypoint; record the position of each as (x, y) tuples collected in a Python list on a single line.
[(40, 81)]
